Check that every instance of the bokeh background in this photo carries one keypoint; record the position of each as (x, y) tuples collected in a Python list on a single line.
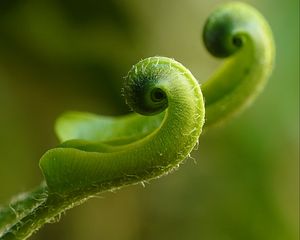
[(58, 55)]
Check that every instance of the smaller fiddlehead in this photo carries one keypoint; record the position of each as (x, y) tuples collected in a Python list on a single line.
[(239, 33)]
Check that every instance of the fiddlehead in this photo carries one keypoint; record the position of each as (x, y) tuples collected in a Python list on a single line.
[(101, 153), (235, 32), (78, 169), (240, 34), (151, 86)]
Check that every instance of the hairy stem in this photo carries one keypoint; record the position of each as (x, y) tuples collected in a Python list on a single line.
[(21, 205)]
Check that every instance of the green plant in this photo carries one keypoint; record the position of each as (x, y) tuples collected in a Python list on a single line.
[(101, 153)]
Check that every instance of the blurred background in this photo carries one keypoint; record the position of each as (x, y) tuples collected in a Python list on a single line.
[(58, 55)]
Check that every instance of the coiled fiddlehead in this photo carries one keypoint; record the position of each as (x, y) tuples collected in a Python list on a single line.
[(239, 33), (151, 86), (103, 153), (79, 169)]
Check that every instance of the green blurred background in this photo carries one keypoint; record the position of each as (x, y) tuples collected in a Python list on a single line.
[(58, 55)]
